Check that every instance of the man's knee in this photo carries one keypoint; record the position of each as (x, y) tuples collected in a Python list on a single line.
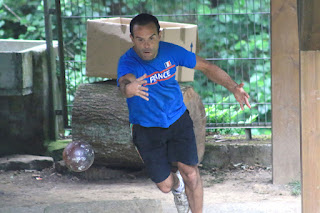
[(164, 189), (166, 185), (191, 176)]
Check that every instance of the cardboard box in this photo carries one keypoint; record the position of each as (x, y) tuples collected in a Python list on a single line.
[(109, 38)]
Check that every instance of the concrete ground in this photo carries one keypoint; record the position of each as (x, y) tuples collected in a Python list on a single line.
[(234, 191), (153, 206)]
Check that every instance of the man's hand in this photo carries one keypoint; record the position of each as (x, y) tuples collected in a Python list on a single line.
[(133, 87), (219, 76), (241, 96)]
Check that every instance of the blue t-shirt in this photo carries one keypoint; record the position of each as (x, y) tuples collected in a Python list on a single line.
[(165, 104)]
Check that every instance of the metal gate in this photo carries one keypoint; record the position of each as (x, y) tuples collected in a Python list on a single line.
[(234, 34)]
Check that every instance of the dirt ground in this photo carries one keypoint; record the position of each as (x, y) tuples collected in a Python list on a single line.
[(48, 187)]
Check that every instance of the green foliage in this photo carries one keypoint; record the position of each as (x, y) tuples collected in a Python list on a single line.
[(216, 113), (22, 20), (295, 188), (234, 32), (221, 113), (55, 148)]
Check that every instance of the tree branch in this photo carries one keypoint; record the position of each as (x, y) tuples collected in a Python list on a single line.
[(13, 13)]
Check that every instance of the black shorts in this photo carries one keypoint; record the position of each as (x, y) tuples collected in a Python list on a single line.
[(159, 147)]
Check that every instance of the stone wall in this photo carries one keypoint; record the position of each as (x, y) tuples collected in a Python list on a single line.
[(25, 117)]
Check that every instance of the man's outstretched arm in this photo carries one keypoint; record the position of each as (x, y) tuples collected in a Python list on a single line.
[(217, 75)]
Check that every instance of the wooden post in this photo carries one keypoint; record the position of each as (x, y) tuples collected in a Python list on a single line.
[(309, 24), (248, 134), (309, 34), (310, 130), (285, 91)]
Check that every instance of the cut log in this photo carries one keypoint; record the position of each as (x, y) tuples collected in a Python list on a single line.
[(100, 117), (198, 115)]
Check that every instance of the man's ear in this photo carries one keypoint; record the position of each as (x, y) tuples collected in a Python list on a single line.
[(131, 37), (160, 34)]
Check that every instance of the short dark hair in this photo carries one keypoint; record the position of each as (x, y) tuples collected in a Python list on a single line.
[(144, 19)]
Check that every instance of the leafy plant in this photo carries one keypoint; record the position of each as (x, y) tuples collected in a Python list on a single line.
[(222, 113), (295, 188), (235, 35), (22, 20)]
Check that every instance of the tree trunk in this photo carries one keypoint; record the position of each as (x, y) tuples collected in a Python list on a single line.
[(100, 117)]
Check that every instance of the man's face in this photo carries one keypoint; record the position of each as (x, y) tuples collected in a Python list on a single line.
[(146, 41)]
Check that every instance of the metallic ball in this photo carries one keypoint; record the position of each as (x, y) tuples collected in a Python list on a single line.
[(78, 156)]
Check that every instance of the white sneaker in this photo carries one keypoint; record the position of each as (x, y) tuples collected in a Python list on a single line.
[(180, 199)]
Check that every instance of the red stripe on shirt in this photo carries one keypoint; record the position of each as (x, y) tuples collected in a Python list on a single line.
[(161, 71), (159, 80)]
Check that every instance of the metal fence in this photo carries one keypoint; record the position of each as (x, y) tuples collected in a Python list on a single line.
[(234, 34)]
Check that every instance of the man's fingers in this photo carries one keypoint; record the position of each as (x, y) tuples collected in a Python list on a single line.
[(139, 89), (247, 103), (145, 97), (142, 77), (143, 82), (144, 93), (241, 105), (244, 102), (241, 96), (144, 88)]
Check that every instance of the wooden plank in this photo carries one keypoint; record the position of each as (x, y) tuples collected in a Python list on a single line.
[(285, 91), (309, 21), (310, 130)]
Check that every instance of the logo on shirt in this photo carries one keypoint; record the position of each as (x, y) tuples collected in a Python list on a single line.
[(161, 75), (167, 64)]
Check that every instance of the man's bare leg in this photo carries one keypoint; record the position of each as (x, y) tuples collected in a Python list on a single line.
[(175, 184), (193, 185)]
